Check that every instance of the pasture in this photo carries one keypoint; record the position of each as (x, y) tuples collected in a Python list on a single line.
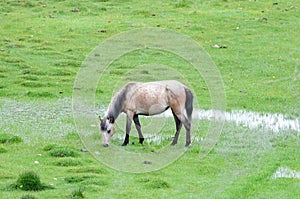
[(255, 47)]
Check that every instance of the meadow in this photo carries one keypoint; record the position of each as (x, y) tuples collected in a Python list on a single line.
[(254, 45)]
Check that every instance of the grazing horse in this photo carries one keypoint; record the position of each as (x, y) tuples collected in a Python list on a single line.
[(148, 99)]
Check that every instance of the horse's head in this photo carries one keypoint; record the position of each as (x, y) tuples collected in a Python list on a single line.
[(107, 129)]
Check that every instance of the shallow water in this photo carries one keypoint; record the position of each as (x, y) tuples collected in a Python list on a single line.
[(275, 122), (285, 172)]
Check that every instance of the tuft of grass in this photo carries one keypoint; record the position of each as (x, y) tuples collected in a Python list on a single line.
[(63, 152), (68, 162), (155, 183), (96, 182), (9, 138), (2, 150), (78, 193), (49, 147), (29, 181), (40, 94), (77, 178), (30, 77), (117, 72), (93, 170), (28, 196), (15, 139), (30, 84), (73, 136), (159, 184), (182, 4)]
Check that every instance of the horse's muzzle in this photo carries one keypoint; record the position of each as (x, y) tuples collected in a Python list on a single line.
[(105, 145)]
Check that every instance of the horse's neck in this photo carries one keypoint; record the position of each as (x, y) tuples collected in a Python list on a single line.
[(115, 106)]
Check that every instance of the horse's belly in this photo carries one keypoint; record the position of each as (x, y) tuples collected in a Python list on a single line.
[(150, 101), (152, 110)]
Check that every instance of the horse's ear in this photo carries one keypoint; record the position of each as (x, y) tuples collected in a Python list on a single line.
[(100, 118)]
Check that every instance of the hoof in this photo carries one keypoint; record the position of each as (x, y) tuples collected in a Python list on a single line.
[(141, 140), (187, 144), (173, 143), (124, 144)]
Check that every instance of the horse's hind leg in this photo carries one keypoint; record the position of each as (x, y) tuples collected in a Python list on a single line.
[(189, 110), (187, 124), (138, 128), (178, 127)]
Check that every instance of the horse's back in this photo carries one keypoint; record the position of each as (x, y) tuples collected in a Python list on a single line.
[(157, 89), (152, 98), (172, 84)]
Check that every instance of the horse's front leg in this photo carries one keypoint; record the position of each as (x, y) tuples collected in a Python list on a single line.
[(128, 128), (138, 128)]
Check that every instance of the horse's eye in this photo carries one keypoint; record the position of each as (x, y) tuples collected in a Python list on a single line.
[(108, 131)]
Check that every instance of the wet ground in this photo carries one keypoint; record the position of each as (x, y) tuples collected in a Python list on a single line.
[(53, 119)]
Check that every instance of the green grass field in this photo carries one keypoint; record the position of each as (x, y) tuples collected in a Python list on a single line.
[(44, 43)]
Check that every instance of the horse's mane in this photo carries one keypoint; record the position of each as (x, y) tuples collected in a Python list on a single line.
[(117, 102)]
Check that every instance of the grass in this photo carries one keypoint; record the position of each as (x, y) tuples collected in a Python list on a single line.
[(29, 181), (9, 138), (63, 152), (42, 47), (28, 196), (67, 162), (78, 193), (29, 53), (154, 183)]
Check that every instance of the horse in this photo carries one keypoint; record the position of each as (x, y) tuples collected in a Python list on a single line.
[(148, 99)]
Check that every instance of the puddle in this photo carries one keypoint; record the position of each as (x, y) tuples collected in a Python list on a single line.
[(275, 122), (284, 172)]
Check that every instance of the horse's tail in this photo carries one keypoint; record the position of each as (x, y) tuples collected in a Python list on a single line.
[(189, 103)]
